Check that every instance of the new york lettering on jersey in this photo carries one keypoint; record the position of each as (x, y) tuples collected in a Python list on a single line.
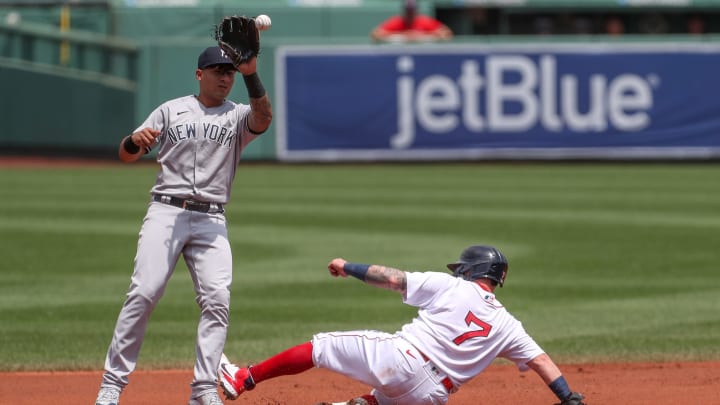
[(222, 135)]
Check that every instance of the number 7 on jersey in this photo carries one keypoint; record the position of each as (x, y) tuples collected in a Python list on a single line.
[(484, 330)]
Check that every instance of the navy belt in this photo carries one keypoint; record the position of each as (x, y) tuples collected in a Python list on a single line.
[(189, 204)]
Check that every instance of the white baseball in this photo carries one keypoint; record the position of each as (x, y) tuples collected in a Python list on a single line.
[(263, 22)]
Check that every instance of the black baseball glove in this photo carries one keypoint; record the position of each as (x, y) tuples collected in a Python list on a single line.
[(575, 398), (239, 38)]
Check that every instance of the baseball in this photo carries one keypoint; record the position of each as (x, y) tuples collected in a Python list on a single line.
[(262, 22)]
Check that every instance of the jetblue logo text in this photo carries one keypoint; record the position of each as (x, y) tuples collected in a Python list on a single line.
[(484, 101)]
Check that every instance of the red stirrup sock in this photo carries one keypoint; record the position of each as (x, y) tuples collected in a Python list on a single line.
[(371, 400), (292, 361)]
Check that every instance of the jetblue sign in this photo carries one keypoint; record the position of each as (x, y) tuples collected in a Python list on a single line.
[(504, 101)]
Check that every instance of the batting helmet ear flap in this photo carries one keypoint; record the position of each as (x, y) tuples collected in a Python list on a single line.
[(453, 266), (502, 278)]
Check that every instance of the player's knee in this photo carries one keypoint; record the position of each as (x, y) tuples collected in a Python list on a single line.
[(150, 295), (150, 291), (217, 300), (138, 302)]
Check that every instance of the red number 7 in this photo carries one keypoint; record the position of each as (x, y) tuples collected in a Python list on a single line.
[(484, 330)]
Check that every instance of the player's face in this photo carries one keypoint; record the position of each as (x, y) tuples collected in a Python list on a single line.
[(216, 81)]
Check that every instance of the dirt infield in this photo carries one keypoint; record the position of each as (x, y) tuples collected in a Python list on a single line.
[(674, 383)]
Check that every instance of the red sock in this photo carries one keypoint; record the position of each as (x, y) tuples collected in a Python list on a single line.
[(292, 361), (371, 400)]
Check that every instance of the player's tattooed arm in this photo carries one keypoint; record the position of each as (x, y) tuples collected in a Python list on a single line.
[(260, 114), (376, 275), (260, 107), (386, 277)]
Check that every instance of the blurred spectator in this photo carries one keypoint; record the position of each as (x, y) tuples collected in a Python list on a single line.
[(614, 26), (544, 26), (571, 24), (564, 23), (479, 20), (696, 25), (653, 23), (411, 27), (582, 26)]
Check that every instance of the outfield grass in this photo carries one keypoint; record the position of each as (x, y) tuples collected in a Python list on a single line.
[(607, 261)]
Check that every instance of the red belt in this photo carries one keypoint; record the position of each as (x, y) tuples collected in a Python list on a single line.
[(445, 381)]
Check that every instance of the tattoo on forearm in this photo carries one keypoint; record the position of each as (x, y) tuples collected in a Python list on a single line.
[(261, 114), (386, 277)]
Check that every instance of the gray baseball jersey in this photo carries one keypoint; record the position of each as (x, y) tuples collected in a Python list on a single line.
[(199, 147), (198, 151)]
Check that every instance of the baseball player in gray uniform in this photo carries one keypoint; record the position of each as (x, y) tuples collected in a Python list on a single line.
[(461, 327), (199, 139)]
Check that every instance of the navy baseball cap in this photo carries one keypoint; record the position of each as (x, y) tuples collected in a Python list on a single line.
[(213, 56)]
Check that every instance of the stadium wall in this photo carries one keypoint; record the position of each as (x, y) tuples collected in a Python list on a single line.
[(166, 42)]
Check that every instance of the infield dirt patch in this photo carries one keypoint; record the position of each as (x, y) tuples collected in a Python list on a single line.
[(676, 383)]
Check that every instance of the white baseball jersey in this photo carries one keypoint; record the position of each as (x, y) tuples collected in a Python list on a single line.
[(198, 146), (460, 329)]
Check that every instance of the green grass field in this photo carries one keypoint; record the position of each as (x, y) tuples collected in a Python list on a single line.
[(607, 261)]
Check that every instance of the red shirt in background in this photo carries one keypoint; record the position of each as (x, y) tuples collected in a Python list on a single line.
[(420, 23)]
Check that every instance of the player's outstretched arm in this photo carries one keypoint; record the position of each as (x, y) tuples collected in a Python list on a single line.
[(260, 107), (552, 376), (133, 146), (239, 38), (379, 276)]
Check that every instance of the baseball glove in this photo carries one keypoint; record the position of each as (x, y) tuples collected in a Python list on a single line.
[(239, 38), (575, 398)]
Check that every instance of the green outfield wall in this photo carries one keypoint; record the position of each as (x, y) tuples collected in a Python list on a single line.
[(96, 108), (62, 111), (78, 78)]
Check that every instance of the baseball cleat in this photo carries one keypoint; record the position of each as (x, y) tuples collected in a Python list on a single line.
[(210, 398), (233, 379), (364, 400), (332, 403), (108, 396)]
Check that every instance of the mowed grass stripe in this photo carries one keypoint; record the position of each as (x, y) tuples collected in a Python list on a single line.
[(82, 223), (608, 261)]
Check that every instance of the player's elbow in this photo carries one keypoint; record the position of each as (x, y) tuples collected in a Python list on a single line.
[(261, 120), (127, 157), (266, 118)]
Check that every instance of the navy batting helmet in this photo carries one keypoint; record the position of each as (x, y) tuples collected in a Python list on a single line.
[(480, 261)]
